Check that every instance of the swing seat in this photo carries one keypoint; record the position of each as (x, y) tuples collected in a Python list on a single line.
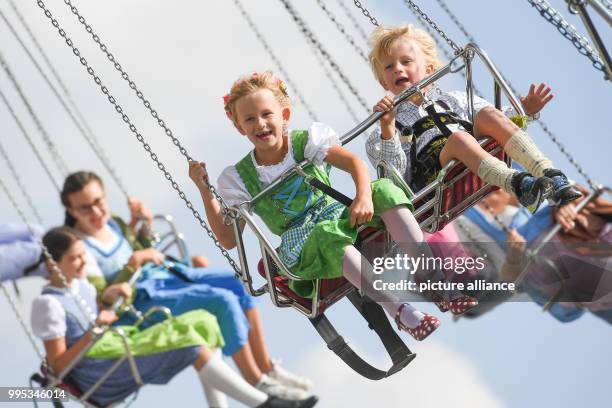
[(331, 290), (42, 378)]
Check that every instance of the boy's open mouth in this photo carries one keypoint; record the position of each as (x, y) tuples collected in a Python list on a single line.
[(264, 134), (401, 81)]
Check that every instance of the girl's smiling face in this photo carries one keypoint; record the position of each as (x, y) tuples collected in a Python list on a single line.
[(73, 261), (88, 206), (262, 119)]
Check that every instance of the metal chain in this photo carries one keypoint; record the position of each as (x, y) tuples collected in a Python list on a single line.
[(455, 20), (440, 46), (342, 30), (264, 43), (495, 216), (23, 324), (20, 184), (59, 80), (353, 20), (140, 95), (366, 12), (330, 76), (592, 184), (94, 146), (58, 160), (310, 36), (568, 31), (138, 136), (81, 304), (29, 140), (433, 25)]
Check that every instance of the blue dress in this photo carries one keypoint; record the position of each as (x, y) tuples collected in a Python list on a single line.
[(214, 289), (157, 368)]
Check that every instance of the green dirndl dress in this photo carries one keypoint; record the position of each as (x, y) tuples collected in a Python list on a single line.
[(314, 228)]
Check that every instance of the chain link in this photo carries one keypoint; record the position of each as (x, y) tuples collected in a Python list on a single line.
[(592, 184), (275, 59), (29, 140), (353, 20), (23, 324), (568, 31), (20, 184), (342, 30), (433, 25), (58, 160), (366, 12), (310, 36), (134, 130), (321, 60), (140, 95), (81, 304), (87, 135)]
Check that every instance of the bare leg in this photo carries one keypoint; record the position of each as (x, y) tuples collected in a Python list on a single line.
[(462, 146), (199, 261), (351, 268), (491, 122), (203, 358), (246, 364), (257, 341)]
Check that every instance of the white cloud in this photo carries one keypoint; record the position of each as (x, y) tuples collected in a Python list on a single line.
[(438, 377)]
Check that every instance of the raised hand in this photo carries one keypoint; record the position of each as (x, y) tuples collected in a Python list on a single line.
[(536, 99)]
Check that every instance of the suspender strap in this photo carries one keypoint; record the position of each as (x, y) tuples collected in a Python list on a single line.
[(400, 354)]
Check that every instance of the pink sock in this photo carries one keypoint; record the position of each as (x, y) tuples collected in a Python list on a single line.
[(351, 268)]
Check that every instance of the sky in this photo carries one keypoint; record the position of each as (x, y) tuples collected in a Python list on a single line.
[(184, 56)]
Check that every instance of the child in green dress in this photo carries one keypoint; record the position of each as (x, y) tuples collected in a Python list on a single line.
[(317, 233)]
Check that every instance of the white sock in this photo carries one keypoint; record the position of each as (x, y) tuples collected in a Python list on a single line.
[(214, 397), (522, 149), (218, 375), (351, 268), (496, 172)]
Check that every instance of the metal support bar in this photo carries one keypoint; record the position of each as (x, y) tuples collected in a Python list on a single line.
[(580, 7)]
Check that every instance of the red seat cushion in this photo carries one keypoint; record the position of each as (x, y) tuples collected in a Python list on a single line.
[(456, 196), (328, 286)]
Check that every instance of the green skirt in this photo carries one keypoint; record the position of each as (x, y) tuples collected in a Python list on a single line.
[(323, 252), (194, 328)]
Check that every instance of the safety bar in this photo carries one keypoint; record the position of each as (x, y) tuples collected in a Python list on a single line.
[(178, 238)]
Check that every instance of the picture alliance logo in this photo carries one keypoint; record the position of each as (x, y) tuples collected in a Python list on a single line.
[(428, 263)]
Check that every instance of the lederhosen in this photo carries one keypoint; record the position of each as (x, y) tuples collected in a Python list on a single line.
[(425, 164)]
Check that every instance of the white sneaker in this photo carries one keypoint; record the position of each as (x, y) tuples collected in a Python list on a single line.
[(287, 378), (274, 388)]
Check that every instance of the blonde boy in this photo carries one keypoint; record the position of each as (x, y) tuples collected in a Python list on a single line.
[(409, 138)]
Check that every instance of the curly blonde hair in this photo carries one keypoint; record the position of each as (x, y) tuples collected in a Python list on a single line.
[(383, 38), (251, 83)]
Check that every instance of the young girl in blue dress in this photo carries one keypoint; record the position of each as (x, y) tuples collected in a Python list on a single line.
[(63, 317)]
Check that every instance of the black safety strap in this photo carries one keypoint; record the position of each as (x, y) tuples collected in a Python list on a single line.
[(176, 271), (400, 354), (43, 381), (335, 194)]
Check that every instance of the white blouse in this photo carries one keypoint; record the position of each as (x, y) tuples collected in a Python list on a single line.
[(48, 318), (320, 138)]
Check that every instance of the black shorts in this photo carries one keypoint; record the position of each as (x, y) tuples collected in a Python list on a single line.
[(427, 166)]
